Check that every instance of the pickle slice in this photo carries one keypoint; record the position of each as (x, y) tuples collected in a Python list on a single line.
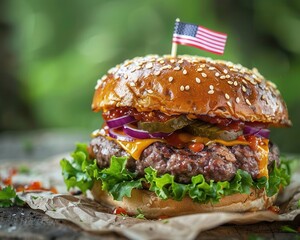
[(210, 131), (166, 127)]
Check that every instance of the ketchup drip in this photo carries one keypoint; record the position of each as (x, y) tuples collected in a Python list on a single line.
[(154, 116)]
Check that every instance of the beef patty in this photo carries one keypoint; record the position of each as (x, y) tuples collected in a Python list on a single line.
[(216, 162)]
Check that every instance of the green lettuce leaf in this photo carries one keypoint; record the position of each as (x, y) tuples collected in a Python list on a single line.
[(165, 187), (77, 172), (8, 197), (279, 177), (117, 179), (82, 172)]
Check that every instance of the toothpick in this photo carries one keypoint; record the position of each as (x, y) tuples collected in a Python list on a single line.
[(174, 45)]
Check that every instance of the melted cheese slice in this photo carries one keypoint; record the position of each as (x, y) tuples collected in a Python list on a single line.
[(136, 147), (263, 151)]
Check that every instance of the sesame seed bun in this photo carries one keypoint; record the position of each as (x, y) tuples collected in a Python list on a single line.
[(191, 85), (153, 207)]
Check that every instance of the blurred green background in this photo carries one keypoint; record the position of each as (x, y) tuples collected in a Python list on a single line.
[(52, 52)]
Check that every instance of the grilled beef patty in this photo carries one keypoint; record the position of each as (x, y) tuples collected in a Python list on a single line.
[(216, 162)]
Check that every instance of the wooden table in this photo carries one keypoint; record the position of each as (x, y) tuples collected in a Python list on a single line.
[(25, 223)]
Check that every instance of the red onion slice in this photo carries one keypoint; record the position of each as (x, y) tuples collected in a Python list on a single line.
[(119, 136), (141, 134), (262, 132), (120, 121)]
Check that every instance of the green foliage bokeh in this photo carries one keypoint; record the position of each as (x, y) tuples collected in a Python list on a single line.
[(63, 47)]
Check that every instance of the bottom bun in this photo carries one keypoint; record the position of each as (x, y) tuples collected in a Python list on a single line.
[(146, 202)]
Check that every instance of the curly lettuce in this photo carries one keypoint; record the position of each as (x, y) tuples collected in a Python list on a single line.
[(82, 172)]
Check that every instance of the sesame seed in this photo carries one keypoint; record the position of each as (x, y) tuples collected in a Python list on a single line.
[(227, 96), (253, 82), (248, 78), (180, 61), (230, 82), (112, 71), (211, 68), (234, 70), (163, 68), (127, 63), (244, 81), (227, 76), (156, 73), (235, 83), (182, 88), (184, 72), (138, 67), (202, 65), (238, 66), (211, 87), (198, 80), (133, 70), (199, 69), (149, 91), (169, 66), (171, 79), (149, 65), (237, 100), (229, 64), (211, 91), (222, 77), (248, 102), (187, 87), (229, 104), (177, 68), (161, 61), (125, 76), (244, 89), (104, 77), (225, 71), (204, 74), (132, 84), (99, 82), (172, 60), (102, 132), (217, 74)]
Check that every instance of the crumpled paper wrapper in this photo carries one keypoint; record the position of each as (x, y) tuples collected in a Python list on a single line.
[(92, 216)]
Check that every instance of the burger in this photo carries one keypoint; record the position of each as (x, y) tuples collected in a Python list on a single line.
[(182, 135)]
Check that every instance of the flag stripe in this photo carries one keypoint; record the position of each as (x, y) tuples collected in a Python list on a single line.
[(213, 33), (220, 44), (185, 41), (197, 46), (188, 42), (210, 37), (196, 40)]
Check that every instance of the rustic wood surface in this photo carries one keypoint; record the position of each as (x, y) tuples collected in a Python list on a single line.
[(26, 223)]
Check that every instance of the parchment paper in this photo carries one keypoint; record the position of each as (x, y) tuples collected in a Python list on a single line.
[(92, 216)]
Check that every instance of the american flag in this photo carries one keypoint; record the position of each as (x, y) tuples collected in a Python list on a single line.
[(200, 37)]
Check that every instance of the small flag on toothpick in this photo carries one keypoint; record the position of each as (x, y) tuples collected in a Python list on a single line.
[(198, 36)]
